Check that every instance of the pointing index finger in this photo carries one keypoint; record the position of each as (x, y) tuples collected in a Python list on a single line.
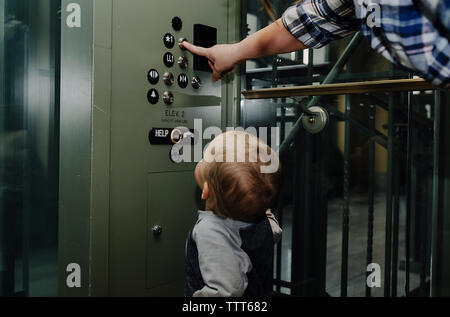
[(197, 50)]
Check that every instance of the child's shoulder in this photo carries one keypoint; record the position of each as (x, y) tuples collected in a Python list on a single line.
[(209, 224), (207, 219)]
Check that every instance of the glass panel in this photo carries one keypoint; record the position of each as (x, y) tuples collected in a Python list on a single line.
[(29, 37)]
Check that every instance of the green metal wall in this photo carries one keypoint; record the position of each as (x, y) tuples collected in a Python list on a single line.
[(108, 198)]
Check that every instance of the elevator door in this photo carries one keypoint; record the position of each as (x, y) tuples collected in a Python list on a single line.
[(29, 103)]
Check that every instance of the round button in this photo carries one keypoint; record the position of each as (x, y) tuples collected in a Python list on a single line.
[(169, 59), (169, 40), (196, 82), (168, 78), (168, 98), (182, 80), (177, 24), (183, 62), (153, 76), (153, 96), (180, 41), (176, 136)]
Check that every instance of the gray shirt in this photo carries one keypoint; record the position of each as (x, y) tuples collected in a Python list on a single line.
[(223, 263)]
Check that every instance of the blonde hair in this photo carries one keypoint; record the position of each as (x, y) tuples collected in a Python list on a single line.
[(239, 189)]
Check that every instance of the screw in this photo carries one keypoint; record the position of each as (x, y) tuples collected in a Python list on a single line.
[(157, 230)]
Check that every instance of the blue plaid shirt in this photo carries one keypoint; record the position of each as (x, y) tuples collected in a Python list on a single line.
[(411, 33)]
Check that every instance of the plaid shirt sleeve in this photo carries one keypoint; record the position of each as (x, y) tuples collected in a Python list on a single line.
[(411, 33), (411, 36), (315, 23)]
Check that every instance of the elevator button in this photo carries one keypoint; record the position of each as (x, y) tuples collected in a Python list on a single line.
[(153, 76), (169, 40), (153, 96), (168, 98), (177, 24), (168, 78), (169, 59), (183, 62), (170, 136), (176, 136), (196, 82), (180, 41), (182, 80)]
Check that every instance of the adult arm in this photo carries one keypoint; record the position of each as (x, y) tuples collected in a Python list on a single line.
[(271, 40), (309, 24)]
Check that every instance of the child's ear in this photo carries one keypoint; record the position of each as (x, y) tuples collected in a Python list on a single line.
[(205, 192)]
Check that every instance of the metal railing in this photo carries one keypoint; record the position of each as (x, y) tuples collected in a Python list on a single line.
[(307, 279)]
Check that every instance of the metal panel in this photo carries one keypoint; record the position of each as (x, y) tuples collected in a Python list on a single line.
[(138, 168), (75, 147), (101, 131), (106, 159), (167, 252)]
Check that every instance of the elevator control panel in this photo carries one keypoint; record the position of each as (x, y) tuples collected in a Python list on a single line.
[(159, 93), (182, 71), (180, 76)]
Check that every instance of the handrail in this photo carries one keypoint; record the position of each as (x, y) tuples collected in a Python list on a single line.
[(341, 88), (334, 72)]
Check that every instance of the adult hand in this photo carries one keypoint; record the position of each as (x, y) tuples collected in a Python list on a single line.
[(221, 58), (273, 39)]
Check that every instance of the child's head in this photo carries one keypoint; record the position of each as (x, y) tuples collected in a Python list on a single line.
[(239, 176)]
